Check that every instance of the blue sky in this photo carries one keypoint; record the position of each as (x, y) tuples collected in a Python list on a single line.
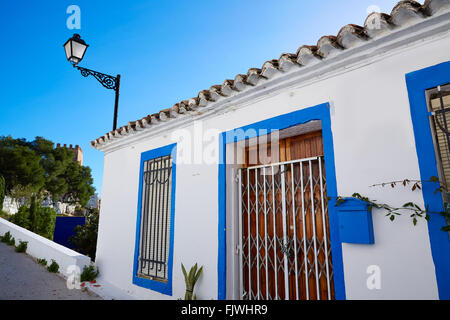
[(166, 51)]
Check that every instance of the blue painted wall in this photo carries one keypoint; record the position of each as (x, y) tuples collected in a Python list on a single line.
[(64, 229)]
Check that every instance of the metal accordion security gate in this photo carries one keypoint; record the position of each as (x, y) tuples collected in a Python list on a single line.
[(284, 232)]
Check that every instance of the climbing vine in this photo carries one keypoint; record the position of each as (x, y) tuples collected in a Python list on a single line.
[(414, 210)]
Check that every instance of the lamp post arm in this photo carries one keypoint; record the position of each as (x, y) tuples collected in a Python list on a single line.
[(109, 82)]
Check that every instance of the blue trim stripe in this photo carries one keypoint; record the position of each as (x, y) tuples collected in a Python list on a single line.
[(319, 112), (417, 82), (222, 258), (165, 288)]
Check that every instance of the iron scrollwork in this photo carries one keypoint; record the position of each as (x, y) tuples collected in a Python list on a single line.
[(109, 82)]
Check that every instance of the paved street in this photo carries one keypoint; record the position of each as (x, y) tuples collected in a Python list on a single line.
[(22, 278)]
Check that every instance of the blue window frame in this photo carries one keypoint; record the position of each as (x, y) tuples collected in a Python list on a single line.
[(417, 83), (163, 285), (320, 112)]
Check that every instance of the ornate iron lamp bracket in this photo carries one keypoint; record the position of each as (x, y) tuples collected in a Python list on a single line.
[(109, 82)]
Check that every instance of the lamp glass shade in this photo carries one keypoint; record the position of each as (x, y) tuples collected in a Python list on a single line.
[(75, 49)]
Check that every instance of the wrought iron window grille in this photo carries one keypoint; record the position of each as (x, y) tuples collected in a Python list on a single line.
[(155, 223)]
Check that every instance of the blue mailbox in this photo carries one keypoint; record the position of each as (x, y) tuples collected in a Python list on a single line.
[(355, 222)]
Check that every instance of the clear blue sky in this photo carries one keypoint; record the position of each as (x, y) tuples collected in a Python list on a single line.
[(166, 51)]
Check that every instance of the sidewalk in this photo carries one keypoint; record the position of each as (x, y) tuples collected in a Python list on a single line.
[(22, 278)]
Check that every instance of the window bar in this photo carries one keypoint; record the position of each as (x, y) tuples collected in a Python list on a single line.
[(274, 233), (142, 222), (162, 214), (168, 199), (313, 215), (155, 218), (295, 230), (152, 218), (265, 236), (158, 218), (257, 234), (325, 237), (444, 118), (249, 239), (162, 211), (166, 216), (285, 243), (305, 252), (241, 251), (148, 216)]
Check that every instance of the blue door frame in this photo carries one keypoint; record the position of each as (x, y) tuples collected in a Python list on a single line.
[(417, 82), (319, 112)]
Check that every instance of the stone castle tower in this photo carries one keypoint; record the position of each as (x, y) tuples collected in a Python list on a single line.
[(78, 153)]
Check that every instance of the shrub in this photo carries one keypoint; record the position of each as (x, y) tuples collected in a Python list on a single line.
[(53, 267), (85, 238), (22, 247), (40, 220), (46, 222), (89, 273), (11, 242), (5, 215), (8, 239), (21, 218), (42, 262)]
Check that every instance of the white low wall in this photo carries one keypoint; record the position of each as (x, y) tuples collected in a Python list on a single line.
[(40, 247)]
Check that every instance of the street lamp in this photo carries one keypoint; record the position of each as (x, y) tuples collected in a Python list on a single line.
[(75, 49)]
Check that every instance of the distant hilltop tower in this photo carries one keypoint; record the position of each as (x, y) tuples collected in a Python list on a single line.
[(78, 153)]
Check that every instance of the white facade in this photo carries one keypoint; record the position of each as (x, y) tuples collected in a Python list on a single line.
[(373, 141)]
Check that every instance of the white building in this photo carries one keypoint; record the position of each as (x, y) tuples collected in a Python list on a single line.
[(94, 202), (348, 113), (11, 205)]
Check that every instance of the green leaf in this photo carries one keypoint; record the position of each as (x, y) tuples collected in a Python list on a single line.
[(434, 179), (392, 217), (186, 280), (408, 204)]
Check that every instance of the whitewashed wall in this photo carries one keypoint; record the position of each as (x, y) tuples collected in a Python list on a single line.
[(373, 142)]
